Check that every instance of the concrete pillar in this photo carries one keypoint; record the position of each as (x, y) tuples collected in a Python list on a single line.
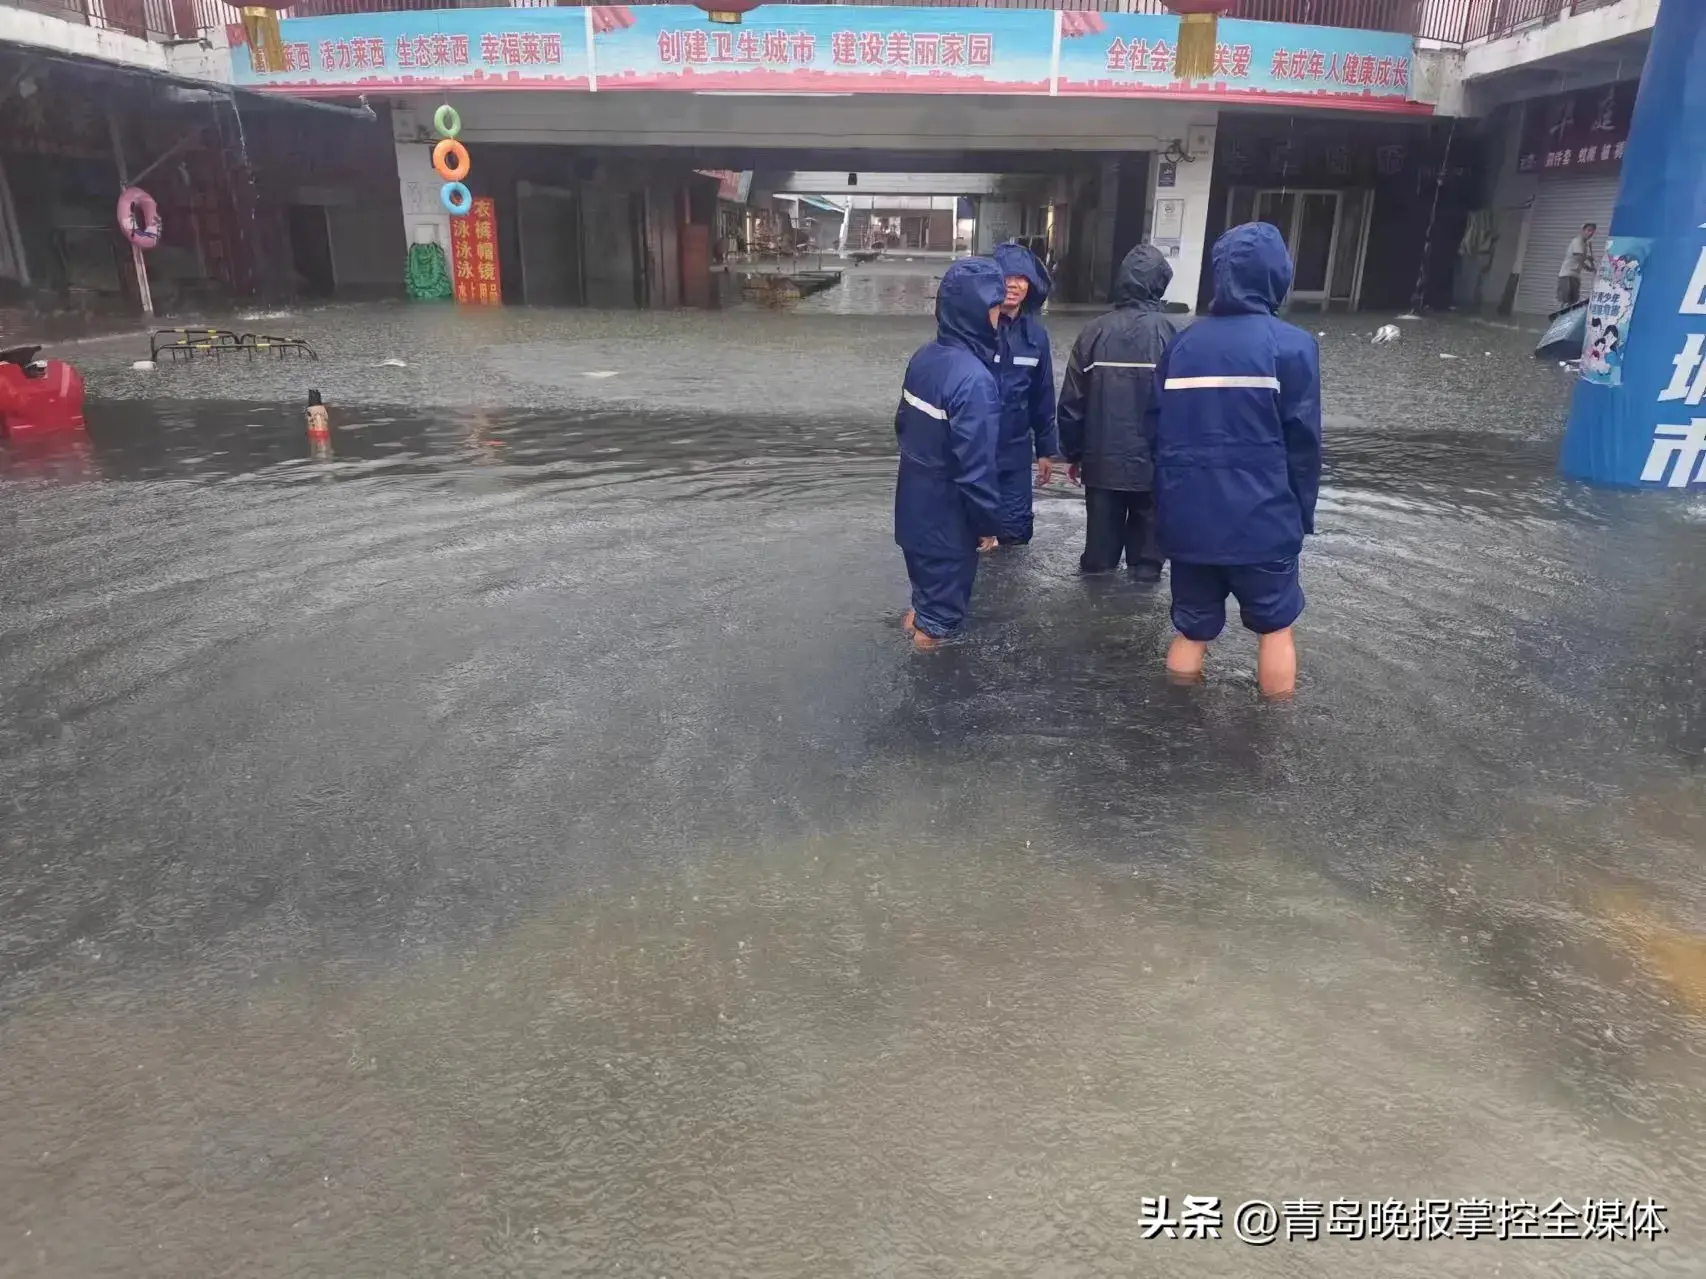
[(418, 184), (1191, 180), (997, 222), (1639, 418)]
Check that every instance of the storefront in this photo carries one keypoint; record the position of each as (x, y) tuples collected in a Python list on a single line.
[(1571, 154), (1357, 202)]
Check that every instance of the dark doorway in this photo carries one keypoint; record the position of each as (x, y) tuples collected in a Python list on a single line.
[(549, 235), (1131, 201), (311, 249)]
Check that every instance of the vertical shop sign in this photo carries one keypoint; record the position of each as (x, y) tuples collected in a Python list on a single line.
[(474, 254)]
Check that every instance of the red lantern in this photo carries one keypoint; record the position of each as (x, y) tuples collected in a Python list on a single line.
[(260, 28), (728, 11), (1197, 31)]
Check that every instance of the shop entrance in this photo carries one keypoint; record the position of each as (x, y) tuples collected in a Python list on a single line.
[(1326, 233)]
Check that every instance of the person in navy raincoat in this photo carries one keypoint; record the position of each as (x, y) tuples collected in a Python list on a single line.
[(948, 425), (1235, 433), (1026, 369)]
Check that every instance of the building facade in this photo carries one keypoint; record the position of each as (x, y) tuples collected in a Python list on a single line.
[(1392, 151)]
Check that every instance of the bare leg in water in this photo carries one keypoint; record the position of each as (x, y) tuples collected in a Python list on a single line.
[(1276, 662), (1185, 658)]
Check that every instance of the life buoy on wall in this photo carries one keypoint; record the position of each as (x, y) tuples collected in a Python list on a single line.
[(450, 159), (456, 199), (139, 217)]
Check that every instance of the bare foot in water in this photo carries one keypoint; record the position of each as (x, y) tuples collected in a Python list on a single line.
[(909, 623), (987, 543)]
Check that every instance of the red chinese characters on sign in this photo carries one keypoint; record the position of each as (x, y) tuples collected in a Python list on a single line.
[(1351, 70), (907, 48), (846, 48), (419, 52), (337, 55), (770, 49), (474, 255), (1231, 61), (507, 49), (298, 56)]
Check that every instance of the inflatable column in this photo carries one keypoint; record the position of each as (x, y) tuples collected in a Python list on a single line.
[(1638, 415)]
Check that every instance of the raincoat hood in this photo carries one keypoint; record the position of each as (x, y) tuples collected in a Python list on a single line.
[(1016, 259), (968, 289), (1252, 270), (1144, 277)]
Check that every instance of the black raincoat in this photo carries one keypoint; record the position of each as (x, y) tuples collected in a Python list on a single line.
[(1111, 375)]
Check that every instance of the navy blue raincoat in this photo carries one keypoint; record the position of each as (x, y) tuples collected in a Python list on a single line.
[(1235, 421), (1026, 368), (949, 421)]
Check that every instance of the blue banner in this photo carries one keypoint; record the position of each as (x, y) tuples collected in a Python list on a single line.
[(423, 49), (818, 48), (826, 49), (1132, 55), (1639, 417)]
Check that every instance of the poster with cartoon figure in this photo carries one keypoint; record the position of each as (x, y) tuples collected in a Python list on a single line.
[(1612, 307)]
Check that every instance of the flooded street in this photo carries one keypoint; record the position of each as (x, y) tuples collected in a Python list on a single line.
[(527, 845)]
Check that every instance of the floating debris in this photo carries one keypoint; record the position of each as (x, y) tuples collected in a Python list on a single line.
[(601, 373), (1387, 333), (143, 366)]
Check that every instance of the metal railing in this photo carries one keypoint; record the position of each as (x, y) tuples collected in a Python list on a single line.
[(145, 19), (1446, 21)]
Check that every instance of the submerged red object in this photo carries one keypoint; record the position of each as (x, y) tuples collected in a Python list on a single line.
[(38, 396)]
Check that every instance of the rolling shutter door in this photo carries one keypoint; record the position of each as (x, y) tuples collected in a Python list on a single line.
[(1561, 206)]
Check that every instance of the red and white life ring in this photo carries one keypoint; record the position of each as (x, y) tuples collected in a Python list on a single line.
[(139, 217)]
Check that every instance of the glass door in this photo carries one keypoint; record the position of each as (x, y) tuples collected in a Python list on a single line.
[(1278, 208), (1309, 221), (1312, 243)]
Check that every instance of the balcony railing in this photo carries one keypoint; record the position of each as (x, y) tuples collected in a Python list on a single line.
[(145, 19), (1447, 21)]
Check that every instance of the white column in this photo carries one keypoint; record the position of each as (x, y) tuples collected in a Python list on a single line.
[(1191, 185), (424, 218)]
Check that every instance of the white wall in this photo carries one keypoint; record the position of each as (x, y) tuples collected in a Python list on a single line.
[(1569, 34), (424, 218), (42, 31)]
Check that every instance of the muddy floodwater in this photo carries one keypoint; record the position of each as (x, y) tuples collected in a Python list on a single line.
[(524, 844)]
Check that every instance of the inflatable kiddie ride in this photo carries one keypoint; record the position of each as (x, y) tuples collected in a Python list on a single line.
[(37, 397)]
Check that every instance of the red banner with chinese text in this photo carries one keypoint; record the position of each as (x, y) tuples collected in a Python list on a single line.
[(474, 254)]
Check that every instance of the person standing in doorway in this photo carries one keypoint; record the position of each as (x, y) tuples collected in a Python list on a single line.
[(1235, 430), (1578, 260), (1109, 380), (948, 424), (1025, 369)]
